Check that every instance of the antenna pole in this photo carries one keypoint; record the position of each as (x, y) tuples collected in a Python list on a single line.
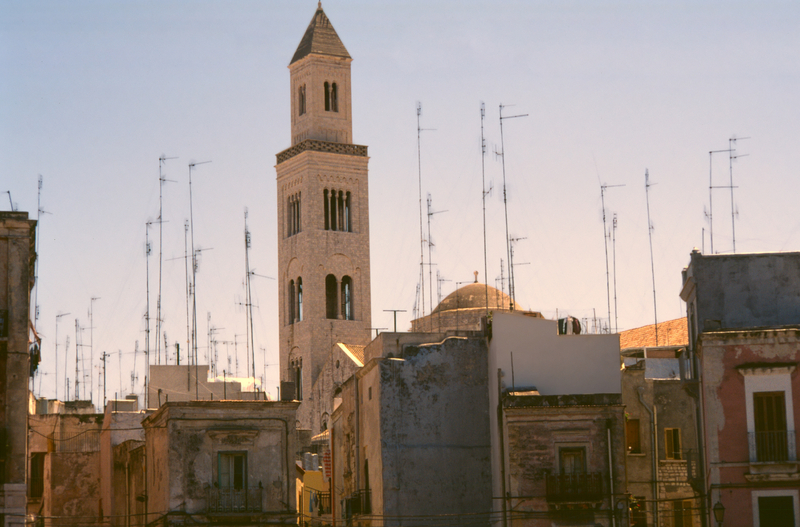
[(56, 352), (603, 188), (194, 281), (731, 157), (91, 346), (188, 285), (77, 363), (251, 350), (103, 358), (421, 233), (650, 235), (483, 199), (161, 181), (505, 197), (614, 254)]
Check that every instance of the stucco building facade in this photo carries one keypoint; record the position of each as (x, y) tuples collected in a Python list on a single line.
[(743, 313)]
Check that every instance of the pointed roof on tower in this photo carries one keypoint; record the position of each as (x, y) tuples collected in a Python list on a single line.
[(320, 38)]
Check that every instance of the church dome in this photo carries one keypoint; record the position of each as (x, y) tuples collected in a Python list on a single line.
[(474, 296)]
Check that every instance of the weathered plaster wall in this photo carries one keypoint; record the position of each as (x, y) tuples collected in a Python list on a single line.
[(187, 437), (434, 428), (72, 488), (746, 290)]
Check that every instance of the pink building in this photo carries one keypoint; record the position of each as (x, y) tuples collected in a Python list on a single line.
[(744, 327)]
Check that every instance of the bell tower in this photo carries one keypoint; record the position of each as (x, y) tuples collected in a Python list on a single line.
[(323, 221)]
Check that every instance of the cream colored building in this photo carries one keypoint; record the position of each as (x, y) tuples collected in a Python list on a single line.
[(323, 221)]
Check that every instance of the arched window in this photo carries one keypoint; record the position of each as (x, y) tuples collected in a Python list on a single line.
[(347, 298), (340, 210), (298, 380), (333, 210), (293, 214), (301, 99), (348, 226), (299, 299), (327, 97), (334, 98), (330, 296), (325, 206), (290, 307)]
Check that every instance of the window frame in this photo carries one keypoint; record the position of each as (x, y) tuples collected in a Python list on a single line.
[(629, 423), (232, 455), (768, 379), (670, 435), (754, 495)]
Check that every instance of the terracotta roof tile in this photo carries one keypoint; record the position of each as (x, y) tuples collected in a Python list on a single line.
[(670, 333)]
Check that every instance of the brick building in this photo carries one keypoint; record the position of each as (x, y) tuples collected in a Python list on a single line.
[(323, 221)]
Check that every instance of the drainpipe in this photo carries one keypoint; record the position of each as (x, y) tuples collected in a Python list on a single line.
[(654, 448), (611, 477)]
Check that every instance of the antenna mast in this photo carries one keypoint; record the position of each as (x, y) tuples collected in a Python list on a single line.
[(194, 281), (161, 181), (731, 157), (251, 351), (421, 228), (483, 199), (603, 188), (614, 254), (650, 235), (505, 196), (91, 347), (711, 187)]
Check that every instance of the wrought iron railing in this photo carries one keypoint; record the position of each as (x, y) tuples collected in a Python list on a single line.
[(772, 447), (359, 502), (575, 487), (323, 503), (234, 500)]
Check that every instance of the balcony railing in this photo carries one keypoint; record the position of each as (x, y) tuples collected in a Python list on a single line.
[(575, 487), (234, 500), (323, 503), (359, 502), (772, 447)]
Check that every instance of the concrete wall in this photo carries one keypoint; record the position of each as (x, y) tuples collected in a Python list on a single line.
[(743, 290), (178, 383), (184, 439), (415, 427)]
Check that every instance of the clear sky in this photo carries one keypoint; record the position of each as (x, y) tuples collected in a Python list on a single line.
[(93, 92)]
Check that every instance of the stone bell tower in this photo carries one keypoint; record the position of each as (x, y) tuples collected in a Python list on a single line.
[(323, 221)]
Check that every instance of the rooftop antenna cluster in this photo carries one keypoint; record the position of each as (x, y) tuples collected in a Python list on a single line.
[(603, 188), (421, 291), (161, 180)]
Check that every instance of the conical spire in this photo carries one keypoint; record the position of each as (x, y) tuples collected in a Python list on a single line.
[(320, 38)]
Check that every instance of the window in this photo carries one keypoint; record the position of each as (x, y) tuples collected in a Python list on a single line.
[(769, 411), (369, 393), (299, 299), (672, 443), (290, 307), (632, 440), (347, 298), (293, 214), (337, 209), (327, 97), (301, 100), (37, 474), (330, 296), (774, 508), (232, 470), (298, 380), (331, 97), (572, 460), (682, 513), (638, 511)]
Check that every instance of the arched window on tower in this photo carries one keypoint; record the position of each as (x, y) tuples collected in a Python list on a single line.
[(327, 97), (333, 210), (325, 206), (330, 296), (301, 100), (347, 298), (334, 98), (348, 224), (299, 299), (293, 214), (298, 379), (290, 307)]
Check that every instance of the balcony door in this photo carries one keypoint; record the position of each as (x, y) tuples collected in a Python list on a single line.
[(573, 460), (769, 411), (232, 470)]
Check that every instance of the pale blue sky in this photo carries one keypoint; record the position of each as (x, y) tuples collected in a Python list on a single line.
[(93, 92)]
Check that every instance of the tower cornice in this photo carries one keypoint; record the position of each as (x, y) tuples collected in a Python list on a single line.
[(312, 145)]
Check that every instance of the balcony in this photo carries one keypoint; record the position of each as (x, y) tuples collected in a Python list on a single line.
[(580, 487), (772, 447), (323, 503), (234, 500), (359, 502)]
